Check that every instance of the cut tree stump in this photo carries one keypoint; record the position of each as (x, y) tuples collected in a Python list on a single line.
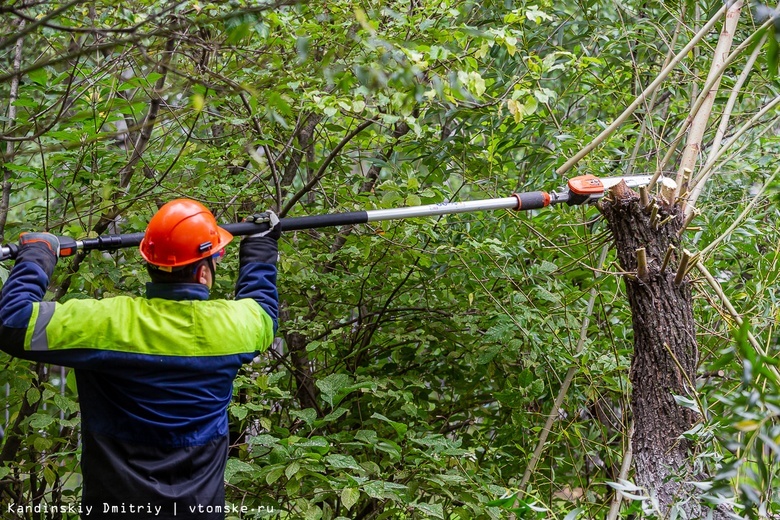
[(665, 348)]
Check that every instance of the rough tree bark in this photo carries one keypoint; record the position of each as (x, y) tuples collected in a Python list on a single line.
[(665, 348)]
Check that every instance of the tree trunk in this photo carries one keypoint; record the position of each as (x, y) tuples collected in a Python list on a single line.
[(665, 349)]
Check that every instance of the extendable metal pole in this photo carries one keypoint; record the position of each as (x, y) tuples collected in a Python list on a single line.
[(519, 201), (580, 190)]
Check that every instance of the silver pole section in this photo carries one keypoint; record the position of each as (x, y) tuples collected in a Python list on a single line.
[(443, 208)]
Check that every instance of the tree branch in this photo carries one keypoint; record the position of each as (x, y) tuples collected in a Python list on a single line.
[(622, 118), (324, 166), (24, 31), (702, 115), (126, 173), (5, 197)]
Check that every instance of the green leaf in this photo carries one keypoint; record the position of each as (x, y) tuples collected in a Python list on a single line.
[(399, 428), (342, 462), (772, 55), (40, 421), (276, 100), (33, 395), (309, 415), (330, 386), (274, 475), (41, 443), (264, 440), (333, 416), (350, 497), (235, 466), (367, 436), (70, 382), (430, 510), (292, 470), (239, 412), (39, 76), (503, 502), (238, 28), (198, 102), (413, 200)]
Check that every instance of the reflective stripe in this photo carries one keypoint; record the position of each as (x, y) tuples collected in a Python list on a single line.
[(39, 340)]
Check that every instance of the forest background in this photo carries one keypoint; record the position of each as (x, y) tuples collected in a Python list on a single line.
[(468, 366)]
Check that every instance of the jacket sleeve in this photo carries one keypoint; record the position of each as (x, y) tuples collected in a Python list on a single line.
[(25, 287), (257, 274)]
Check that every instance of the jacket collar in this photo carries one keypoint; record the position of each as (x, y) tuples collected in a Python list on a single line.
[(177, 291)]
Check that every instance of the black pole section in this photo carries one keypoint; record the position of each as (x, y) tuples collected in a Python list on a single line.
[(112, 242), (299, 223)]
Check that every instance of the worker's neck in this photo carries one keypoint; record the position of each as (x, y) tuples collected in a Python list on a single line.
[(177, 291)]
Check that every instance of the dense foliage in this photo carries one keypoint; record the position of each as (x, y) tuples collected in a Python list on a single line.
[(417, 361)]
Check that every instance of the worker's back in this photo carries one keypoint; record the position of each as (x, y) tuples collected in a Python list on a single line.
[(154, 377)]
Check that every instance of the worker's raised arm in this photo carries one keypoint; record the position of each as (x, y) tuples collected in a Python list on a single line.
[(24, 290), (257, 272)]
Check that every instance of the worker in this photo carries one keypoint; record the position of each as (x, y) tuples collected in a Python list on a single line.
[(155, 374)]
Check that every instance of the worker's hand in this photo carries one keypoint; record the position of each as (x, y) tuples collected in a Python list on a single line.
[(37, 255), (51, 241), (274, 224), (261, 247)]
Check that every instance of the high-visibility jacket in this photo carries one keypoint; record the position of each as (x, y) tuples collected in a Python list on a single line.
[(154, 377)]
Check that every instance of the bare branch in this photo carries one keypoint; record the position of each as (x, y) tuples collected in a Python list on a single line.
[(136, 37), (126, 172)]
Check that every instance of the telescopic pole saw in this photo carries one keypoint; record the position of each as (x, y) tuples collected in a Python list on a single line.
[(584, 189)]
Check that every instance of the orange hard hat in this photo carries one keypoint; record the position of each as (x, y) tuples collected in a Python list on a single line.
[(183, 231)]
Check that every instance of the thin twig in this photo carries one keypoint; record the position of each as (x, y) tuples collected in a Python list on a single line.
[(667, 257), (126, 173), (641, 263), (683, 267), (24, 31)]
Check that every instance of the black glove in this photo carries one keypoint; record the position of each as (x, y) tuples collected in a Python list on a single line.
[(40, 248), (51, 241), (261, 247)]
